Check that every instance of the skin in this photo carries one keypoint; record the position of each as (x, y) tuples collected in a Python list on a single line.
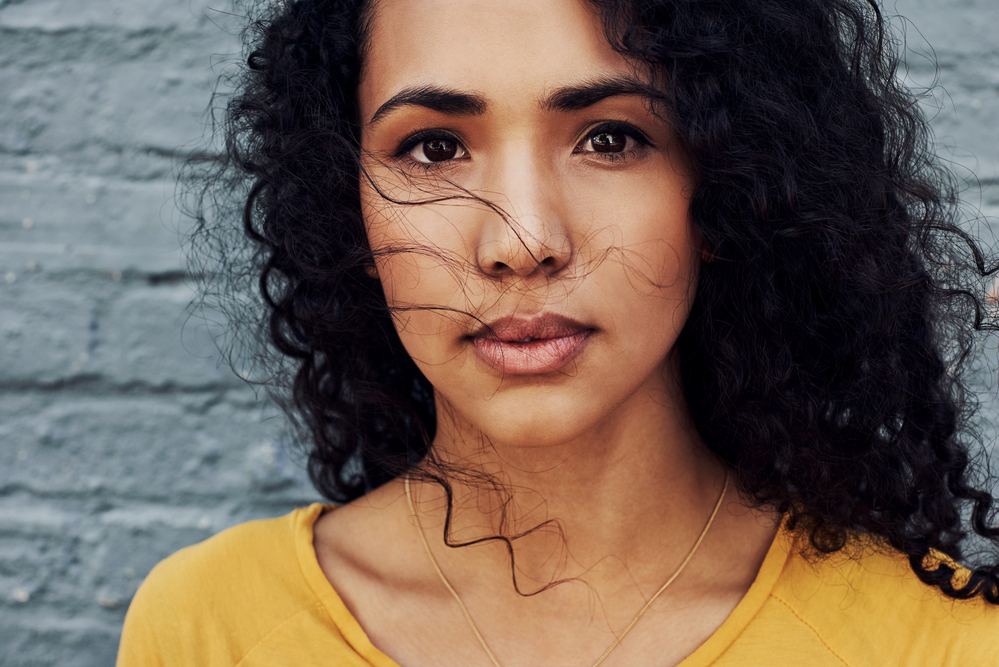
[(604, 444)]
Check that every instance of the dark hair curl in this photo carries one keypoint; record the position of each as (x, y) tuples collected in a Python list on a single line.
[(824, 357)]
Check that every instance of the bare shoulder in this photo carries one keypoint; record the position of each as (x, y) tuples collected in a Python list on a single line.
[(370, 553), (367, 545)]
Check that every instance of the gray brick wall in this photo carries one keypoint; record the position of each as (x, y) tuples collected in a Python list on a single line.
[(121, 438)]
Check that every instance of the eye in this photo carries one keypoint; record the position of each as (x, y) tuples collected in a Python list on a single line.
[(438, 150), (609, 142), (612, 138), (432, 147)]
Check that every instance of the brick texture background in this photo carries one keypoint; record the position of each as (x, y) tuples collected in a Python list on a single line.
[(122, 438)]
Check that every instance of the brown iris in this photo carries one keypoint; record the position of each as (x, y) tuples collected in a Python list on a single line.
[(609, 142), (440, 150)]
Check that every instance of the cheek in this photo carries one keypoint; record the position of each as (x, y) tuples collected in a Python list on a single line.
[(649, 280), (417, 289), (421, 278), (653, 235)]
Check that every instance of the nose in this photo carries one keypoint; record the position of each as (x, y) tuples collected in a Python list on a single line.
[(526, 230)]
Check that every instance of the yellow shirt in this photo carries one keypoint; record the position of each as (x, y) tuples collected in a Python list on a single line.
[(254, 595)]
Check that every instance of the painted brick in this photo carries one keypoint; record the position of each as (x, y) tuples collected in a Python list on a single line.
[(125, 15), (148, 337), (73, 104), (60, 222), (45, 332), (182, 446)]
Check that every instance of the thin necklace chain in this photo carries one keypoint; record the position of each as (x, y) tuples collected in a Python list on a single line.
[(620, 637)]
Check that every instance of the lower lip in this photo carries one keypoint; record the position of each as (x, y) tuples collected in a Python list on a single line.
[(543, 355)]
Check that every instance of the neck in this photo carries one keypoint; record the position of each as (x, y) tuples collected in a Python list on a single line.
[(634, 490)]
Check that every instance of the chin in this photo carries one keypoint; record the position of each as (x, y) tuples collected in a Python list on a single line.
[(533, 424)]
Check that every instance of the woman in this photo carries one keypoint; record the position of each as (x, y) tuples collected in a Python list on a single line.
[(629, 333)]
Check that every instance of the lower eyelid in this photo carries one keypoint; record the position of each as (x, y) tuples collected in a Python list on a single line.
[(617, 157)]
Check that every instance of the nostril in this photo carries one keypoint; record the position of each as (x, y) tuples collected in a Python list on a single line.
[(524, 261)]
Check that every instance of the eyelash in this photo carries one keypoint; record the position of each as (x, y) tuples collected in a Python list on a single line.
[(403, 152)]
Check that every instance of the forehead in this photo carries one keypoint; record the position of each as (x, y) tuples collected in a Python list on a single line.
[(504, 49)]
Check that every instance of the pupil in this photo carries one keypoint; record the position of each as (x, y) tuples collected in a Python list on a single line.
[(608, 142), (439, 150)]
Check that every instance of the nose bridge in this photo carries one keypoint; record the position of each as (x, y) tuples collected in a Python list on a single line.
[(534, 234)]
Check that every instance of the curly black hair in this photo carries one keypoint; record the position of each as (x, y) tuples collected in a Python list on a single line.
[(825, 355)]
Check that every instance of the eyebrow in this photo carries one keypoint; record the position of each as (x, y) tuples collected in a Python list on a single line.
[(588, 93), (435, 98), (564, 99)]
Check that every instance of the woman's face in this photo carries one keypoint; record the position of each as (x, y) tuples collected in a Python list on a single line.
[(553, 301)]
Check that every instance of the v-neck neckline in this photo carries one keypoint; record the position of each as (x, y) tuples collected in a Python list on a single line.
[(354, 634)]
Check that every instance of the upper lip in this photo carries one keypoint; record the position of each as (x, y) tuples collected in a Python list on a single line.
[(516, 328)]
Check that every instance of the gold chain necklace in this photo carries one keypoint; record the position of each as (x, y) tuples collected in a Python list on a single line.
[(627, 629)]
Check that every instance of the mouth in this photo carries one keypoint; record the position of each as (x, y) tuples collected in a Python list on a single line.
[(530, 346)]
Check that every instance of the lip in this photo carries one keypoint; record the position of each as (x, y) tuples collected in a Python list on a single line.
[(530, 346)]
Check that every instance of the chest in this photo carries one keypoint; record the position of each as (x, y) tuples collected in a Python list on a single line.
[(569, 628)]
